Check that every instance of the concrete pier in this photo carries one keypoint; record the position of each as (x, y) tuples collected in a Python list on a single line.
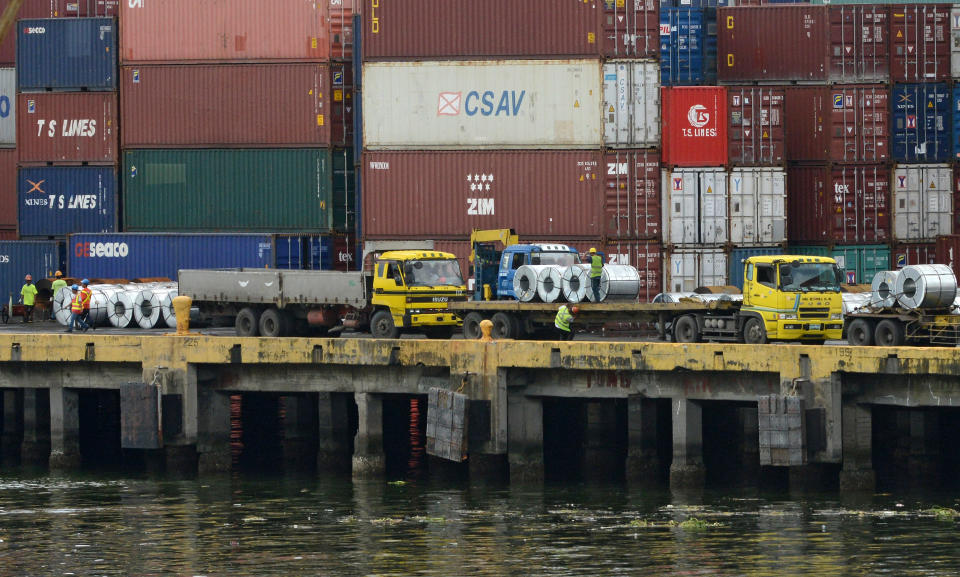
[(369, 461), (857, 473), (334, 446), (525, 426), (64, 428), (687, 470), (643, 463)]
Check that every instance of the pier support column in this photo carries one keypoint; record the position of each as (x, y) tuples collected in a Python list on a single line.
[(333, 443), (748, 420), (181, 426), (299, 441), (35, 449), (923, 461), (601, 455), (213, 432), (857, 473), (643, 463), (525, 431), (369, 461), (64, 428), (687, 470), (11, 435)]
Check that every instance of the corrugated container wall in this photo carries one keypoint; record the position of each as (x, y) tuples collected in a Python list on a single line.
[(908, 254), (313, 252), (255, 105), (448, 194), (68, 127), (344, 190), (685, 270), (839, 204), (757, 206), (838, 123), (67, 54), (646, 257), (773, 44), (435, 29), (342, 37), (224, 30), (688, 46), (920, 42), (631, 29), (755, 125), (130, 256), (922, 127), (695, 126), (923, 202), (8, 190), (631, 103), (32, 9), (738, 255), (860, 263), (8, 107), (61, 200), (632, 194), (859, 44), (227, 190), (695, 207), (955, 42), (19, 258), (477, 104), (948, 252)]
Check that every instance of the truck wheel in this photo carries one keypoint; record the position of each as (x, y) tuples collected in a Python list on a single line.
[(247, 322), (273, 323), (471, 326), (860, 333), (889, 333), (685, 330), (754, 333), (382, 327), (505, 326)]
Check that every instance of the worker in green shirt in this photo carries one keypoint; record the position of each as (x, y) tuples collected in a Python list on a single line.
[(28, 296), (57, 284)]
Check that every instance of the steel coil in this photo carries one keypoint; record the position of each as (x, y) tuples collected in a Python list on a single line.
[(147, 311), (619, 282), (884, 288), (576, 282), (926, 286), (550, 283)]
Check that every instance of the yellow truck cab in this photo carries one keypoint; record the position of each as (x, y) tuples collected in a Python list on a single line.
[(411, 289), (791, 297)]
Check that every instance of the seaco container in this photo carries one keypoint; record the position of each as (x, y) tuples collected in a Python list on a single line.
[(755, 125), (860, 263), (646, 257), (632, 194), (695, 126), (859, 43), (908, 254), (19, 258), (838, 123), (688, 46), (224, 31), (8, 190), (686, 269), (67, 54), (477, 104), (923, 202), (695, 207), (227, 190), (631, 103), (630, 29), (757, 210), (61, 200), (8, 107), (773, 44), (212, 105), (446, 194), (922, 127), (67, 127), (847, 204), (32, 9), (129, 256), (920, 42)]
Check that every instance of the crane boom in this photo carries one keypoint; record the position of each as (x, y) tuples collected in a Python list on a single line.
[(9, 18)]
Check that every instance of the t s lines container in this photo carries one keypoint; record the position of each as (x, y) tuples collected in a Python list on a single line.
[(8, 107), (923, 202), (688, 46), (922, 126), (920, 42), (840, 123), (59, 200), (632, 194), (68, 127), (755, 125), (631, 103), (842, 204), (757, 209), (67, 54), (695, 126), (695, 207), (19, 258)]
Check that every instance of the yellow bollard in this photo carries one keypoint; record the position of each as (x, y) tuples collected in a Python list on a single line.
[(181, 308), (486, 327)]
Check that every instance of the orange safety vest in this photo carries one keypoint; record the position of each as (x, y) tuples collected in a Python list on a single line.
[(76, 305), (86, 294)]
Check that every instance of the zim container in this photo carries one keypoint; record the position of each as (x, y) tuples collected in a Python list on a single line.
[(646, 257), (61, 200), (695, 126), (840, 123), (842, 204), (68, 127), (632, 194), (67, 54)]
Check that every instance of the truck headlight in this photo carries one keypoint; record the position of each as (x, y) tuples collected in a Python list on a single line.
[(836, 316), (788, 316)]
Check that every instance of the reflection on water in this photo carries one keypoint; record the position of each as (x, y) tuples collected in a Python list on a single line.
[(298, 526)]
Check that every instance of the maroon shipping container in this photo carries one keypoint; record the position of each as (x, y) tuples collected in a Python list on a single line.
[(906, 254), (859, 43), (694, 126), (839, 204), (838, 123), (646, 257), (948, 251), (431, 194), (783, 43), (67, 127), (632, 194), (341, 14), (631, 29), (8, 190), (52, 9), (464, 29), (755, 125), (212, 105), (920, 38)]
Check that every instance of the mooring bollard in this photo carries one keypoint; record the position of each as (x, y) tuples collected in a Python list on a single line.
[(486, 327), (181, 308)]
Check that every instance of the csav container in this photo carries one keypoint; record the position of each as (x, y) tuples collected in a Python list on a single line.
[(632, 194), (755, 125), (923, 202), (922, 127), (130, 256), (8, 107), (860, 263), (482, 104), (19, 258), (695, 207), (33, 9), (846, 204), (920, 42), (687, 269), (61, 200), (757, 212), (630, 29), (69, 127), (8, 190), (281, 190), (695, 126), (909, 254), (838, 123), (66, 54), (859, 43), (688, 46), (631, 103)]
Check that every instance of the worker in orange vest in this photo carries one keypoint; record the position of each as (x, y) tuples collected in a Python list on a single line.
[(87, 297), (76, 311)]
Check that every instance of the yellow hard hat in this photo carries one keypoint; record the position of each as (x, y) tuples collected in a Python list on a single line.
[(593, 249), (58, 274)]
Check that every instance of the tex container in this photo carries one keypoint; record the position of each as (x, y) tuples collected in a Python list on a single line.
[(8, 107), (911, 253), (631, 103), (446, 194), (61, 200), (920, 42), (482, 104), (630, 29), (695, 126), (632, 194), (33, 9), (923, 202), (68, 127), (644, 255), (67, 54), (860, 263), (688, 46), (859, 43), (235, 190), (757, 208), (922, 127), (224, 31), (686, 269), (948, 252), (18, 258), (840, 123), (8, 190), (839, 204), (694, 204), (314, 252), (130, 256), (738, 255), (755, 125), (213, 105)]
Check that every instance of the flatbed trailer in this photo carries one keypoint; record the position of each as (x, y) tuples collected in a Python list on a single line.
[(895, 326)]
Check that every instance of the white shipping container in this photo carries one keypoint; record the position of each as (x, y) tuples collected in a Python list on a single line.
[(695, 206), (757, 206), (8, 107), (482, 104), (685, 270), (922, 202), (631, 103), (955, 42)]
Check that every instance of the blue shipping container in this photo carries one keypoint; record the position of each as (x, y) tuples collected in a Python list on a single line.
[(18, 258), (735, 262), (688, 46), (67, 54), (62, 200), (133, 255), (921, 123), (303, 252)]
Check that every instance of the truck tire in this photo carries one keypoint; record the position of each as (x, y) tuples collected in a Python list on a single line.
[(274, 323), (471, 326), (860, 333), (505, 326), (685, 330), (889, 333), (247, 322), (382, 327), (754, 333)]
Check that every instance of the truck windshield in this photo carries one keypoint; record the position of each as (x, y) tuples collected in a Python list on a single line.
[(432, 273), (809, 277), (555, 258)]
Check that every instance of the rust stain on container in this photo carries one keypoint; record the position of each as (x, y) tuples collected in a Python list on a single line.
[(67, 127)]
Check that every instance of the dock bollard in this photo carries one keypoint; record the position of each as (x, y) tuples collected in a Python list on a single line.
[(486, 327), (181, 308)]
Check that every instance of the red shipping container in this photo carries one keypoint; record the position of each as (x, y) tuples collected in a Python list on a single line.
[(341, 14), (51, 9), (9, 234), (694, 126), (845, 204), (773, 44), (212, 105), (631, 29), (646, 257), (465, 29), (632, 194), (859, 43), (224, 30), (907, 254), (920, 38), (755, 125), (8, 190), (446, 194), (67, 127), (948, 252), (838, 123)]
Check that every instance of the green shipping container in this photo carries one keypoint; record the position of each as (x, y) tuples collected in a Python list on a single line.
[(344, 191), (262, 190), (860, 262)]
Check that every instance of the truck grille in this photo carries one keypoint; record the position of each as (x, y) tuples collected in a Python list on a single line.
[(814, 312)]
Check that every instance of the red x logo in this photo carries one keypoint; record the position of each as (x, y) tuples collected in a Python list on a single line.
[(449, 104), (35, 185)]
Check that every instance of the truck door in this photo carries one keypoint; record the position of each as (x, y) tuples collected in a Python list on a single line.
[(389, 289), (760, 285), (509, 264)]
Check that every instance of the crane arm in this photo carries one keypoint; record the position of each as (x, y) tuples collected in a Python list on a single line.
[(9, 18)]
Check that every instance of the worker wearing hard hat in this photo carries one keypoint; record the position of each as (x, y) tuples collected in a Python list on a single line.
[(86, 296), (28, 296), (562, 322), (76, 311), (57, 284), (596, 271)]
